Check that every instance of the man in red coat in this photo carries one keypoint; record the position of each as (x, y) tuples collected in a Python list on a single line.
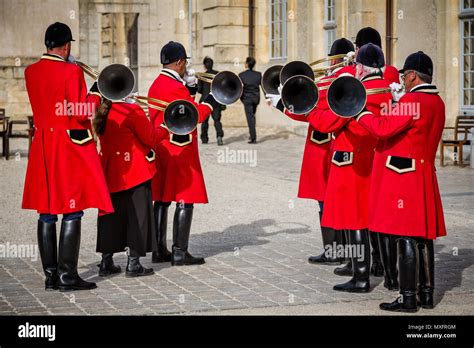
[(347, 193), (317, 152), (179, 175), (404, 195), (381, 250), (127, 143), (64, 175)]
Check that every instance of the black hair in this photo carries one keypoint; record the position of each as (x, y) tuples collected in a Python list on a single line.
[(208, 63), (250, 61)]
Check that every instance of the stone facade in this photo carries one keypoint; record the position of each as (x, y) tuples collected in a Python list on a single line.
[(220, 29)]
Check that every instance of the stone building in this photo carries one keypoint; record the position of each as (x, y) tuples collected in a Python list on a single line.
[(274, 31)]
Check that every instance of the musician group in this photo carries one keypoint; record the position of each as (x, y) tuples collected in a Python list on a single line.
[(371, 170)]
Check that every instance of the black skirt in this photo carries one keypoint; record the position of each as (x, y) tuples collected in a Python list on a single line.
[(132, 224)]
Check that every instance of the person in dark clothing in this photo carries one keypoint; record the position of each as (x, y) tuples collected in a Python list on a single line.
[(251, 95), (204, 88)]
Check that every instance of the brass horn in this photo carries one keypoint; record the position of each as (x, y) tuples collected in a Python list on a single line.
[(295, 68), (226, 86), (115, 82), (347, 96), (181, 117), (271, 79), (299, 94)]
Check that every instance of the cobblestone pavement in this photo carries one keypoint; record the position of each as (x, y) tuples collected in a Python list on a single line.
[(256, 237)]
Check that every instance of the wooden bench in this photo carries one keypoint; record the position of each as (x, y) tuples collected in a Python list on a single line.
[(27, 132), (463, 125), (4, 133)]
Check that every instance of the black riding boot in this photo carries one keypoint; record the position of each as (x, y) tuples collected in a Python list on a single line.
[(181, 230), (161, 222), (69, 243), (377, 268), (426, 274), (107, 266), (361, 266), (388, 255), (331, 239), (48, 248), (346, 270), (408, 267), (136, 269)]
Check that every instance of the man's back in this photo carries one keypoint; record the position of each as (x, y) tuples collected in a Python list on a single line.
[(251, 80)]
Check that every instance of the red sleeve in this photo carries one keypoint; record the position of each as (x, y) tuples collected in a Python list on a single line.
[(384, 127), (301, 118), (325, 121), (76, 93), (144, 130)]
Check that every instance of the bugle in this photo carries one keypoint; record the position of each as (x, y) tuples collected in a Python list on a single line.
[(347, 96), (115, 82), (226, 86)]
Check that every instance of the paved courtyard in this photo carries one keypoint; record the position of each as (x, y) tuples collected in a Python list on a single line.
[(255, 235)]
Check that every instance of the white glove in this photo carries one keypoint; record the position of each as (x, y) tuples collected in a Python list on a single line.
[(71, 59), (280, 88), (190, 77), (398, 91), (272, 99), (130, 99), (350, 56)]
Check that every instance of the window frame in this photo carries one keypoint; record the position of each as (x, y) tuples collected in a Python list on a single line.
[(271, 39), (466, 15), (330, 25)]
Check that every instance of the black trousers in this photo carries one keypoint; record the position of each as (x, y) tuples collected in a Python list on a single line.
[(132, 224), (250, 108), (216, 116)]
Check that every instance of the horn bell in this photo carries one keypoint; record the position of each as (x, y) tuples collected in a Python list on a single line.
[(226, 87), (296, 68), (116, 81), (181, 117), (271, 79), (299, 94), (346, 96)]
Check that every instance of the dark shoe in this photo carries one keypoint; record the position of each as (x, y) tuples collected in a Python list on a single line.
[(205, 141), (406, 304), (426, 299), (323, 260), (181, 231), (69, 243), (376, 270), (136, 269), (161, 221), (360, 278), (107, 266), (331, 239), (47, 245), (344, 271), (220, 142), (388, 255), (252, 142), (426, 274)]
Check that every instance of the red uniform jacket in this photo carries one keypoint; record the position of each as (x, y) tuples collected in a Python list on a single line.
[(64, 173), (127, 147), (391, 74), (404, 194), (317, 151), (179, 177), (347, 193)]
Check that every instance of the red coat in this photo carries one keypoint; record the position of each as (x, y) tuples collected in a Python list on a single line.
[(127, 147), (179, 175), (64, 173), (404, 194), (347, 193), (317, 151), (391, 74)]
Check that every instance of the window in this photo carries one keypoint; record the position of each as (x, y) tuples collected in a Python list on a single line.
[(277, 29), (467, 55), (330, 22), (119, 40)]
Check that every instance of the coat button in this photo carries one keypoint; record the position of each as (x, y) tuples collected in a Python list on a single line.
[(51, 129), (422, 161), (118, 153)]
